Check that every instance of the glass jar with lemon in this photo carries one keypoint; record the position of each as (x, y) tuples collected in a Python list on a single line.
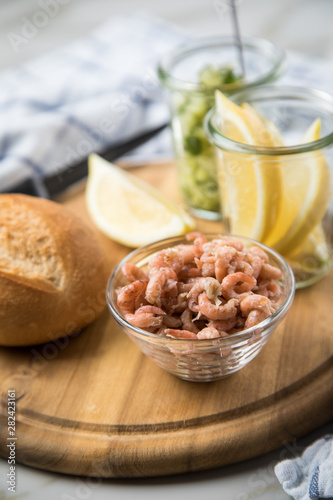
[(274, 148)]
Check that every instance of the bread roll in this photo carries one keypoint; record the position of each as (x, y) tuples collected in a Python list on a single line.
[(52, 271)]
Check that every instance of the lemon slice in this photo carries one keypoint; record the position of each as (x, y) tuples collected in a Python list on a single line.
[(266, 131), (305, 186), (249, 184), (129, 210)]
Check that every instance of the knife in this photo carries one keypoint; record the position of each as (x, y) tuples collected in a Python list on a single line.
[(52, 185)]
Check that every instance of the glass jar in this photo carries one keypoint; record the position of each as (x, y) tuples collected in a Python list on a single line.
[(191, 74), (282, 196)]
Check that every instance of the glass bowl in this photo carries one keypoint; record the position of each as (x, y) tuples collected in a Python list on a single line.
[(195, 359)]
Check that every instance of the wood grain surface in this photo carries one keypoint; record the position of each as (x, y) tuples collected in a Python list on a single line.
[(93, 404)]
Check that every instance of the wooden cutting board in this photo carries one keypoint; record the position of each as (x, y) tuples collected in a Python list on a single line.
[(94, 405)]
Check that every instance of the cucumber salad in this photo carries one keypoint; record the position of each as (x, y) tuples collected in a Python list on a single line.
[(195, 154)]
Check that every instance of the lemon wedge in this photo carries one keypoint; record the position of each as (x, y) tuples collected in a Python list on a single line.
[(249, 185), (304, 195), (129, 210)]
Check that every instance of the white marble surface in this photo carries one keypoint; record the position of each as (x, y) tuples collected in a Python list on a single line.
[(301, 25)]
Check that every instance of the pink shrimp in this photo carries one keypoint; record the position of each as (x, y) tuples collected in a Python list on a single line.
[(176, 305), (208, 333), (189, 271), (240, 266), (187, 321), (236, 284), (163, 282), (187, 252), (255, 262), (255, 317), (168, 258), (223, 325), (146, 317), (148, 309), (133, 273), (270, 272), (223, 256), (269, 289), (209, 285), (184, 287), (254, 301), (208, 270), (172, 321), (183, 334), (199, 241), (214, 311), (259, 252), (224, 240), (131, 296)]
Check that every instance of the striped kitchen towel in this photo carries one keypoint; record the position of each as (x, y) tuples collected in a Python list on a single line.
[(309, 476), (83, 97)]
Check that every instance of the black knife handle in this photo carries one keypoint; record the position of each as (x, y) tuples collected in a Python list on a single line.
[(54, 184)]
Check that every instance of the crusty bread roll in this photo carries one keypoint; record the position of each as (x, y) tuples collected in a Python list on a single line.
[(52, 271)]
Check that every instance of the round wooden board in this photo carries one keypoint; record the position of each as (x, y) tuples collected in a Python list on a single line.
[(94, 405)]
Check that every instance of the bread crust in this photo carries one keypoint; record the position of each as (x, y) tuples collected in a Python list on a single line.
[(52, 271)]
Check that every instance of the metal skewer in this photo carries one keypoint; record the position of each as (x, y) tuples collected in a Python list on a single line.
[(237, 35)]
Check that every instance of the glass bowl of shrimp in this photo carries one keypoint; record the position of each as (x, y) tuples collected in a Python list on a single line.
[(201, 306)]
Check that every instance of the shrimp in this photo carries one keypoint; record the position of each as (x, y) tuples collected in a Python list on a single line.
[(150, 310), (223, 325), (224, 256), (269, 289), (189, 271), (133, 273), (255, 316), (217, 312), (254, 301), (259, 252), (146, 317), (201, 289), (236, 284), (131, 296), (187, 321), (208, 270), (209, 285), (208, 333), (168, 258), (163, 282), (270, 272), (172, 321), (206, 264), (224, 240), (176, 304), (184, 287), (199, 241), (187, 252), (255, 262), (183, 334), (241, 266)]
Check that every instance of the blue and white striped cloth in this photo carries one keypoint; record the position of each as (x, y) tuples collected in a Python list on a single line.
[(309, 476), (95, 92), (84, 97)]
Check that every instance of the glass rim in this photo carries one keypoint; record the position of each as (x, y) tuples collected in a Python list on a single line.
[(276, 54), (269, 92), (234, 338)]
